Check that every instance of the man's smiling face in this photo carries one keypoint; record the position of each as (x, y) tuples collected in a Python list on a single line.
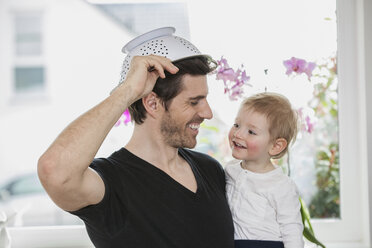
[(180, 124)]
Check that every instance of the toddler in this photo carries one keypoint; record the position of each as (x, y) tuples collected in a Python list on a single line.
[(264, 202)]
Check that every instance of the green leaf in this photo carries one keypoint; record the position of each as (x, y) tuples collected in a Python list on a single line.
[(305, 215), (308, 229), (333, 112), (309, 236)]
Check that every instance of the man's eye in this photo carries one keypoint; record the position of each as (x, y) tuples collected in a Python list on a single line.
[(194, 103), (251, 132)]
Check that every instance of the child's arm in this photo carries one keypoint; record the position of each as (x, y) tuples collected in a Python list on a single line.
[(288, 206)]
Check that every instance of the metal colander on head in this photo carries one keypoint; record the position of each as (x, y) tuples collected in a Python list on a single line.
[(160, 42)]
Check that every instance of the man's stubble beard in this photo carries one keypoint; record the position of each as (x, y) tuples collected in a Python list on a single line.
[(174, 134)]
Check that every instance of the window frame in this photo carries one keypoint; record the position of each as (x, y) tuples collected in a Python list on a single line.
[(353, 229)]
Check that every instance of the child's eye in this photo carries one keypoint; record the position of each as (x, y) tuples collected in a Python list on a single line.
[(235, 125), (251, 132)]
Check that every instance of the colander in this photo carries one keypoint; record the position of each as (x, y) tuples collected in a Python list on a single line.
[(160, 42)]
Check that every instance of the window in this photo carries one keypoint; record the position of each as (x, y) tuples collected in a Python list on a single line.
[(352, 227), (29, 71), (29, 78), (28, 34)]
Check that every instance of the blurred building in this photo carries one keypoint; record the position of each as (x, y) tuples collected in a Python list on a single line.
[(58, 59)]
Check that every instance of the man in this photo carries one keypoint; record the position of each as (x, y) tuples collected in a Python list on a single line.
[(153, 192)]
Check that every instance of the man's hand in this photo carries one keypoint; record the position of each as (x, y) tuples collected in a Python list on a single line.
[(143, 73)]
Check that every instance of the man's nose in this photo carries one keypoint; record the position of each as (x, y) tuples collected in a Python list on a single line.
[(206, 112)]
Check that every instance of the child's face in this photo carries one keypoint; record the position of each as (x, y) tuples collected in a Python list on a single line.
[(249, 137)]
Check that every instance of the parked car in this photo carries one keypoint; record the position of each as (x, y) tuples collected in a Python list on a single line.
[(25, 203)]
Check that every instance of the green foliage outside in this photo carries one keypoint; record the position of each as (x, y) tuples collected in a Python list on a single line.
[(326, 202)]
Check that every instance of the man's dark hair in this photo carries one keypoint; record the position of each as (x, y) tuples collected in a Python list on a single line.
[(169, 87)]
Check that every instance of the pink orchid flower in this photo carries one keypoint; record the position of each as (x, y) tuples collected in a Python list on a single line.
[(125, 118), (227, 74), (223, 63), (308, 123), (294, 65), (233, 80), (235, 92), (309, 69), (245, 78), (298, 66)]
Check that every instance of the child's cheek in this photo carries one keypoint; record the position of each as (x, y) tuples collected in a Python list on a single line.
[(253, 146)]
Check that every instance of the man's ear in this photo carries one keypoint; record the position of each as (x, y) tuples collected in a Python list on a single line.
[(278, 146), (151, 103)]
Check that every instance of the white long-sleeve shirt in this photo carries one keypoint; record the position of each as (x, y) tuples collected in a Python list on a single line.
[(264, 206)]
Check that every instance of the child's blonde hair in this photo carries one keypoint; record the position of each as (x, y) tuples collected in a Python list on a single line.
[(281, 117)]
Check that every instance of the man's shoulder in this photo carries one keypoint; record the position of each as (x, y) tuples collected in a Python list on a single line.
[(117, 158)]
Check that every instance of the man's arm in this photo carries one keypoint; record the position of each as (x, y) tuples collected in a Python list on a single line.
[(64, 168)]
